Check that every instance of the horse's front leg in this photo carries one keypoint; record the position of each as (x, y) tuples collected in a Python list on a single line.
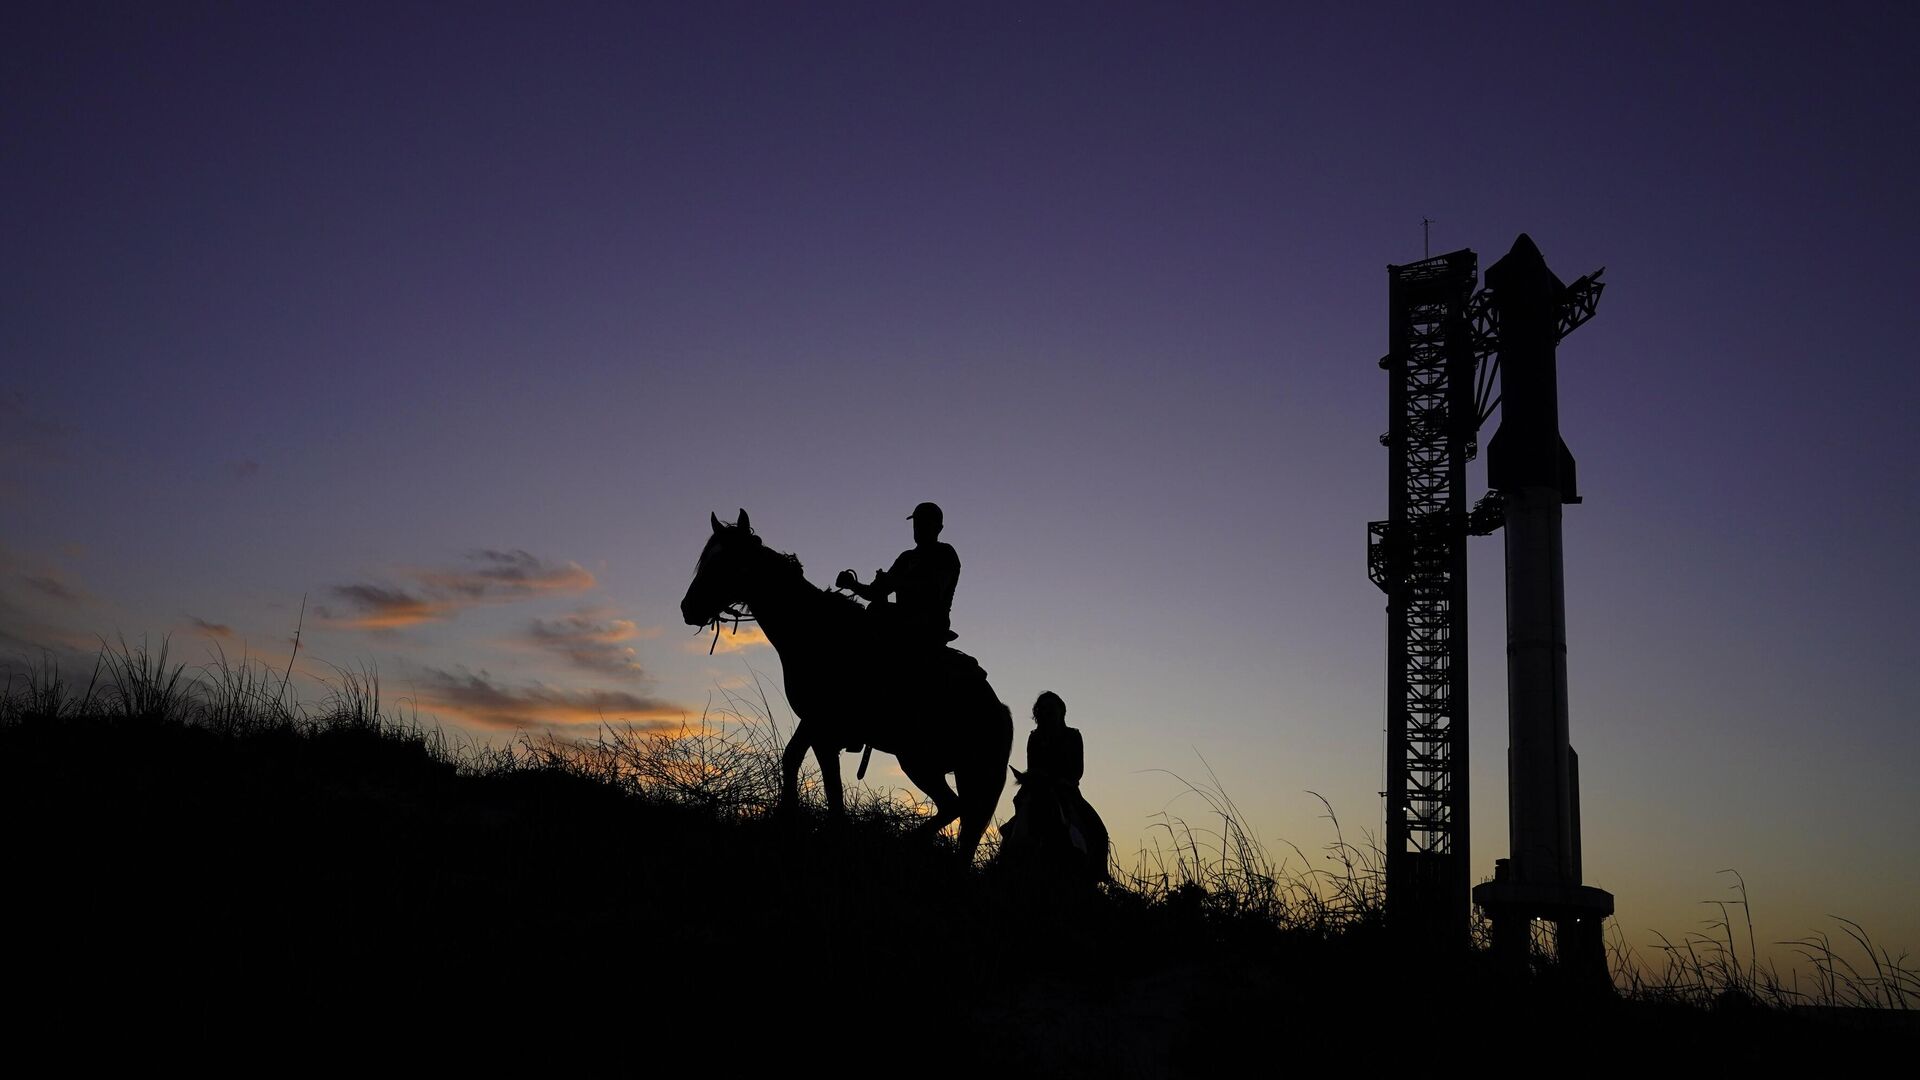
[(790, 760)]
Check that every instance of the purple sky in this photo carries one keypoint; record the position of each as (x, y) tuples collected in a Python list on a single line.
[(471, 320)]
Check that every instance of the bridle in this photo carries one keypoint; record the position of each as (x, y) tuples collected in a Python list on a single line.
[(732, 613), (738, 612)]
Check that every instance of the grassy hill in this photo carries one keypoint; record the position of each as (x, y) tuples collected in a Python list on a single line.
[(189, 849)]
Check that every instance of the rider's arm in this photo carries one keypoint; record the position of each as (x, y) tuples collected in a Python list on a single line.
[(873, 593), (885, 582)]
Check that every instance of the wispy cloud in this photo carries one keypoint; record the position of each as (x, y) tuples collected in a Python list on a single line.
[(476, 698), (211, 629), (507, 575), (378, 607), (490, 577), (42, 579), (48, 585), (590, 643)]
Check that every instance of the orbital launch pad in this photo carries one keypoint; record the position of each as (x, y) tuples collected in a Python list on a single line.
[(1454, 356)]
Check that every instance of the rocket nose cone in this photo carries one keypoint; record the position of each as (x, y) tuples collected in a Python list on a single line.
[(1522, 269)]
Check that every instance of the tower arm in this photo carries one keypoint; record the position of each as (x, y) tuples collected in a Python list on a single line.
[(1577, 304)]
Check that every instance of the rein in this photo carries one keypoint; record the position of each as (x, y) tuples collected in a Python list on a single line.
[(733, 613), (741, 613), (737, 613)]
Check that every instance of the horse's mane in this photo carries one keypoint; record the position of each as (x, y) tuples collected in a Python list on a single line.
[(839, 605), (835, 605)]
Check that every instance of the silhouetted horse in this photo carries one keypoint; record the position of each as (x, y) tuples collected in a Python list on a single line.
[(1053, 832), (850, 684)]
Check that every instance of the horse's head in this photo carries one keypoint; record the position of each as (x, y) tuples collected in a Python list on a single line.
[(1022, 794), (722, 579)]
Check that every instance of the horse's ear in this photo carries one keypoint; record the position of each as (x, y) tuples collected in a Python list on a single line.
[(715, 518), (1018, 776), (743, 522)]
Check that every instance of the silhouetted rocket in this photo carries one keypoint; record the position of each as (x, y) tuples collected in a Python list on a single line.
[(1532, 469)]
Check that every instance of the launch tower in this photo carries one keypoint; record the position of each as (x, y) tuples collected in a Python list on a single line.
[(1447, 346), (1418, 557)]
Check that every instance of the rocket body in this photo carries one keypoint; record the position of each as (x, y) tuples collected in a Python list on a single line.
[(1528, 463), (1542, 815)]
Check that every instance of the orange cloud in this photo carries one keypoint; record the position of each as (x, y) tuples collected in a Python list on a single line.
[(508, 575), (494, 577), (590, 643), (477, 699), (382, 608)]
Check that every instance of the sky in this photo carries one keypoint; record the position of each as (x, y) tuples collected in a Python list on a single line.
[(437, 333)]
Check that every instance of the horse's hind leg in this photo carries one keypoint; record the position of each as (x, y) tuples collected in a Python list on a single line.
[(946, 805), (979, 798), (982, 778), (829, 759)]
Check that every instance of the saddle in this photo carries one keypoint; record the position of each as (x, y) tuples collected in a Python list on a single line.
[(916, 662)]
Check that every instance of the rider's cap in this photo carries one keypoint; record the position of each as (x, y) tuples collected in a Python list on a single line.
[(929, 511)]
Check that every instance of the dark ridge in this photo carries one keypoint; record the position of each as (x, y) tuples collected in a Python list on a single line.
[(348, 878)]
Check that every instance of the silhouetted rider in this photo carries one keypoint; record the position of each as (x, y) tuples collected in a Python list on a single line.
[(1055, 753), (923, 578), (1054, 831)]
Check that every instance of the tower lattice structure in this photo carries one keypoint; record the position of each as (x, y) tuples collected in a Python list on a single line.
[(1418, 557)]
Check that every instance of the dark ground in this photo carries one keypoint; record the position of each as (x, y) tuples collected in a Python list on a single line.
[(336, 887)]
